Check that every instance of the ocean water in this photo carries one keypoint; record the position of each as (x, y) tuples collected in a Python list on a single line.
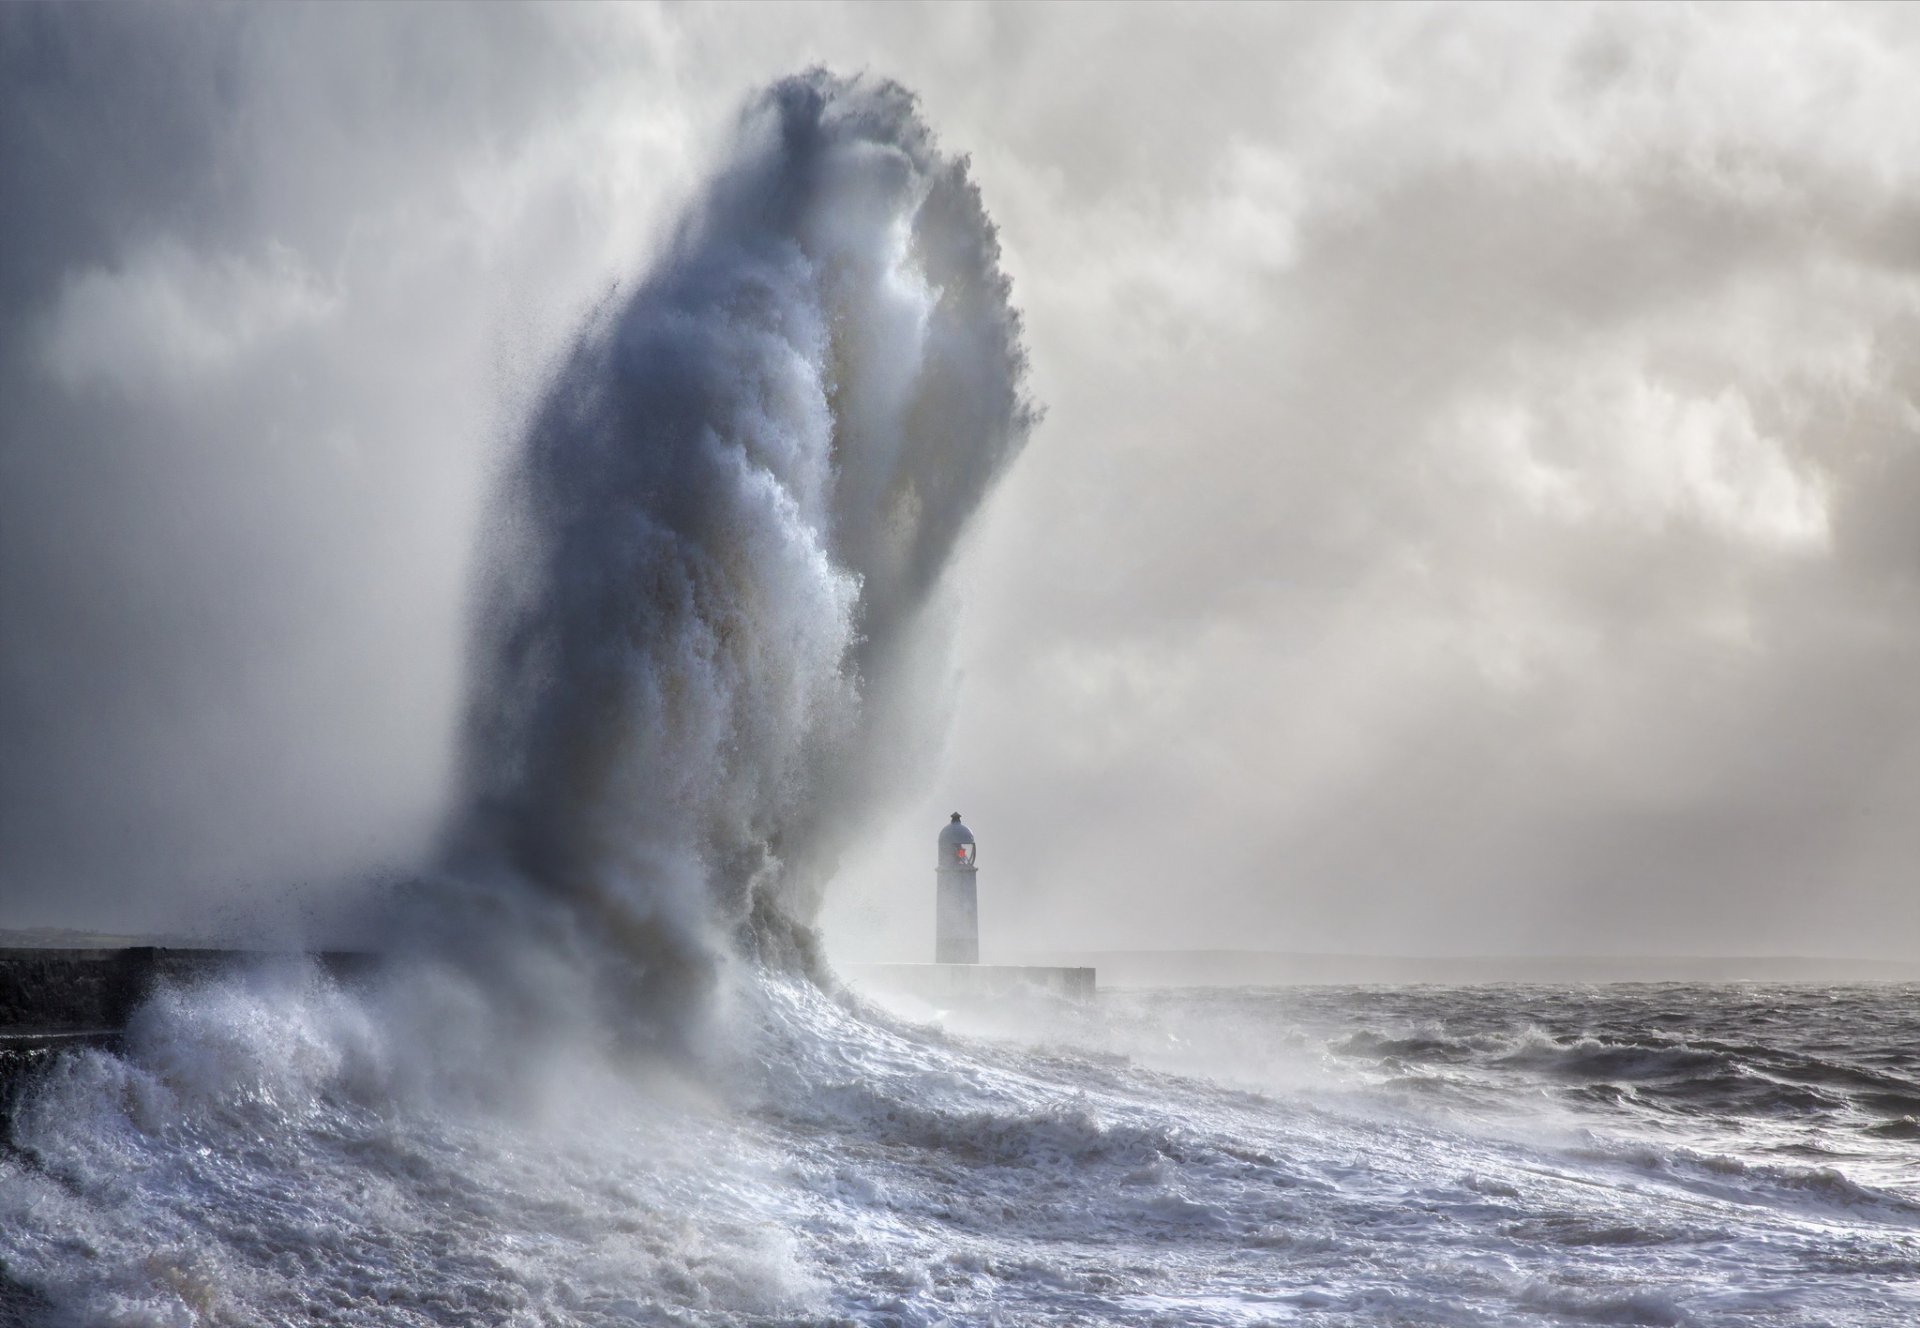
[(275, 1149)]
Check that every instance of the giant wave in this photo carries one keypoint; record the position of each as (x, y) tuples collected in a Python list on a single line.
[(715, 552)]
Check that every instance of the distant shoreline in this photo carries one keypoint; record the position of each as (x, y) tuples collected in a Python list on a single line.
[(1260, 968)]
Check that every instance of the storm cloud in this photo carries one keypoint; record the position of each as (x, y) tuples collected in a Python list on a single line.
[(1476, 510)]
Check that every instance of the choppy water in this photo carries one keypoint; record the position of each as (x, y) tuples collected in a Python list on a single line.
[(276, 1150)]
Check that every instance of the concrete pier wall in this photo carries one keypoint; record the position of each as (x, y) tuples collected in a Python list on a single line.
[(53, 997), (50, 996)]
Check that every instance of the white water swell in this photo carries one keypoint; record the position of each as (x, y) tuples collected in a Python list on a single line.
[(265, 1154)]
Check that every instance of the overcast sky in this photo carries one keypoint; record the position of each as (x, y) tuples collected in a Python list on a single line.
[(1478, 509)]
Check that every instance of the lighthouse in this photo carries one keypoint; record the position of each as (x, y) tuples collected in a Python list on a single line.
[(956, 976), (956, 917)]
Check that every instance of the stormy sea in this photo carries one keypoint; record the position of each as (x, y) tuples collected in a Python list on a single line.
[(602, 1073), (270, 1151)]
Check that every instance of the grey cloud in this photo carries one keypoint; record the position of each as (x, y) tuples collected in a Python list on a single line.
[(1456, 720), (250, 391), (1396, 569)]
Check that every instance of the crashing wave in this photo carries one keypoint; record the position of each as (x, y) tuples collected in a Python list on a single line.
[(714, 552)]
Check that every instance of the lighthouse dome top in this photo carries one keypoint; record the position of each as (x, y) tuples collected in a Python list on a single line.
[(956, 844)]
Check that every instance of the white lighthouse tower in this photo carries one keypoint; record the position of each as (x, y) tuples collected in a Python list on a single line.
[(956, 917), (956, 976)]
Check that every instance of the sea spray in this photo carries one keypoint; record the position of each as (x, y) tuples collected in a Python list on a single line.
[(700, 636), (712, 555)]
